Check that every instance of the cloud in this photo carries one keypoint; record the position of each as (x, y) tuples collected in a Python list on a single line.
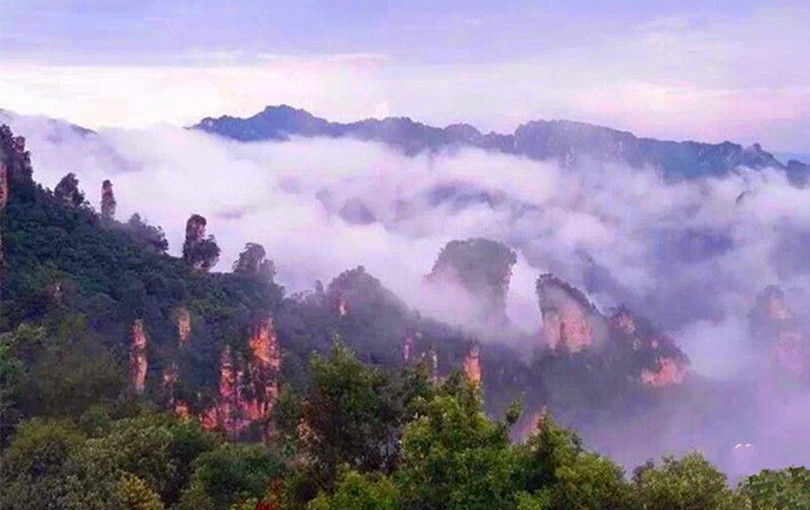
[(689, 255)]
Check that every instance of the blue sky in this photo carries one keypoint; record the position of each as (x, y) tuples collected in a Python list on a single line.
[(674, 69)]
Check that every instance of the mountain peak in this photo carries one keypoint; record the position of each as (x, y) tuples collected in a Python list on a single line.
[(570, 142)]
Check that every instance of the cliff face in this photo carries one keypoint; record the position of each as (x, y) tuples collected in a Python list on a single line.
[(472, 365), (248, 389), (183, 326), (570, 321), (263, 369), (138, 362), (172, 373), (669, 367), (776, 328), (480, 269), (107, 200)]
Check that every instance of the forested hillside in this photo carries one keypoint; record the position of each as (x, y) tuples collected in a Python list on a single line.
[(132, 379)]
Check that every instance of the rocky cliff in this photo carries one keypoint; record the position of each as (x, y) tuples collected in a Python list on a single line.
[(629, 343), (570, 321), (777, 330), (137, 358), (472, 364), (248, 388), (479, 270)]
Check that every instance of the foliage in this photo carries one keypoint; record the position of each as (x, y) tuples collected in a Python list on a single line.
[(252, 263), (688, 483), (453, 456), (234, 473), (135, 494), (356, 491), (787, 488), (68, 190)]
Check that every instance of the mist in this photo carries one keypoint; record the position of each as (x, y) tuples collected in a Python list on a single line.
[(689, 255)]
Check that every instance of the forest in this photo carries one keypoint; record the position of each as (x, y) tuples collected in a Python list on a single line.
[(132, 379)]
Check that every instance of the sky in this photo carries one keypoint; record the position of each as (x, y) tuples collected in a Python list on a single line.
[(669, 69)]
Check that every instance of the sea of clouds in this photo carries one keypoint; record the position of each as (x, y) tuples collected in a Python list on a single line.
[(690, 255)]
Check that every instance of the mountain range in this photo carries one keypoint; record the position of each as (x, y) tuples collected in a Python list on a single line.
[(571, 143)]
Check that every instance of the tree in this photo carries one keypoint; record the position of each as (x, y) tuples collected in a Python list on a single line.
[(454, 457), (688, 483), (351, 415), (234, 473), (356, 491), (135, 494), (787, 488), (253, 264), (68, 191), (107, 200), (34, 473)]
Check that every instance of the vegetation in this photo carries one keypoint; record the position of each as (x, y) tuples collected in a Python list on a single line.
[(355, 428)]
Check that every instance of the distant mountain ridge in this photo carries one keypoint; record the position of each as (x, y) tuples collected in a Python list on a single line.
[(566, 141)]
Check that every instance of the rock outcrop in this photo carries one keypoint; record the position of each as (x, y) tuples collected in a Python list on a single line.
[(248, 389), (570, 321), (68, 191), (777, 330), (480, 269), (264, 369), (669, 363), (200, 252), (183, 326), (107, 200), (356, 289), (408, 348), (472, 364), (138, 361), (171, 374)]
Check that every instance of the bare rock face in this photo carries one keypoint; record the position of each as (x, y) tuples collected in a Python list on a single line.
[(776, 328), (264, 368), (570, 321), (223, 414), (138, 362), (183, 326), (172, 373), (669, 372), (670, 364), (472, 365), (409, 347), (248, 390), (481, 269)]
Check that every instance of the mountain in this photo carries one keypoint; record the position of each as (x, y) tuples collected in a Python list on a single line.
[(569, 142)]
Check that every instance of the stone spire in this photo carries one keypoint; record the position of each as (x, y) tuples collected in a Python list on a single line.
[(138, 362)]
